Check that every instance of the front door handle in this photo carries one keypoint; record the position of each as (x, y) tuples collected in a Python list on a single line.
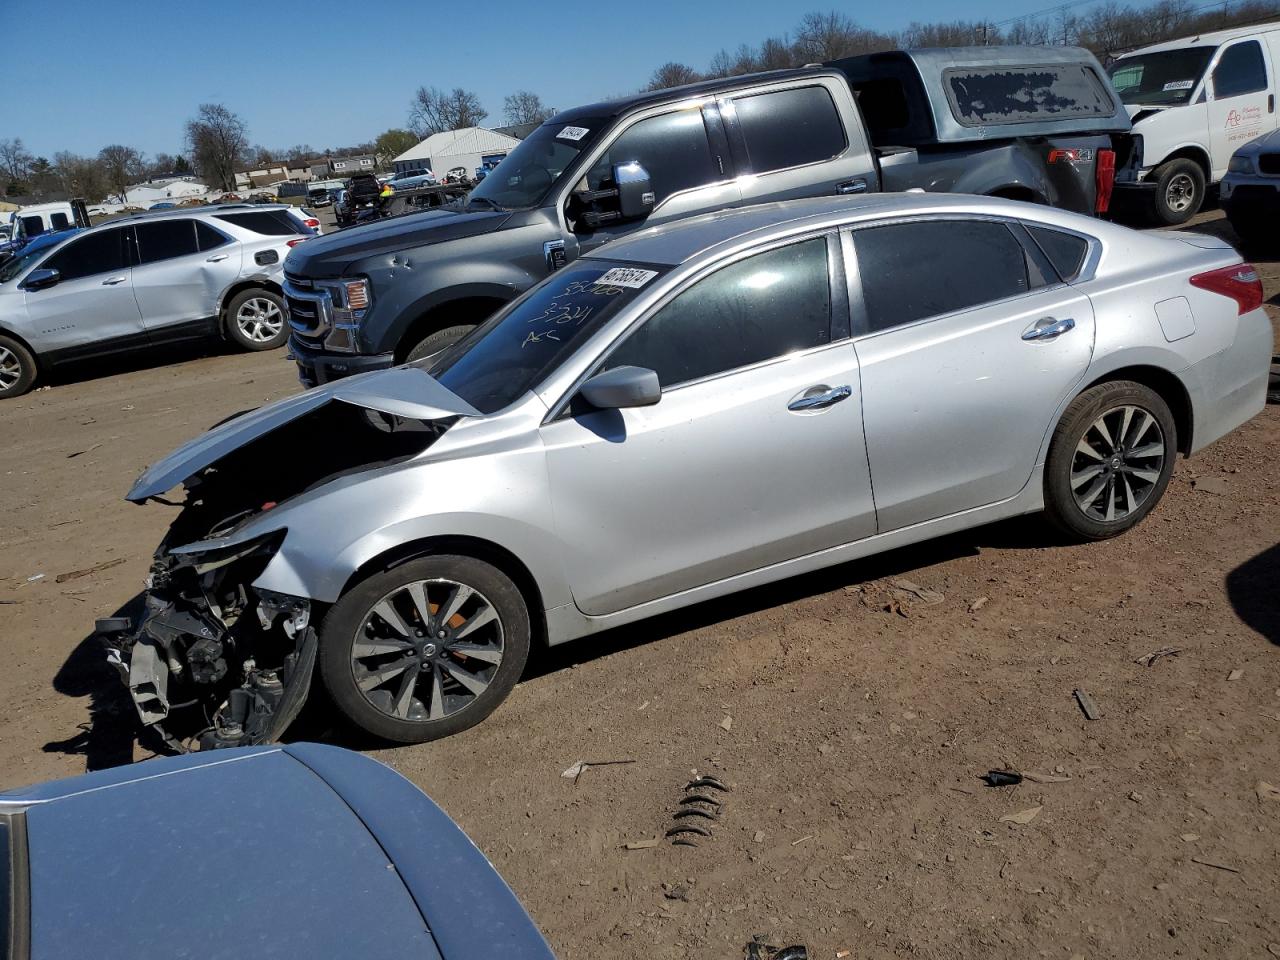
[(216, 258), (857, 185), (1049, 329), (112, 281), (819, 400)]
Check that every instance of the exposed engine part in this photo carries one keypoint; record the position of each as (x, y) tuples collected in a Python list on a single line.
[(698, 804), (148, 681), (207, 664)]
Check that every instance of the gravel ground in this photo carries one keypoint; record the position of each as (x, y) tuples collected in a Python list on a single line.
[(851, 719)]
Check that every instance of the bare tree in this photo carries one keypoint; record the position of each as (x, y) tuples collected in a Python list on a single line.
[(525, 106), (958, 33), (672, 75), (80, 176), (777, 54), (299, 153), (15, 161), (218, 141), (832, 35), (121, 166), (433, 110)]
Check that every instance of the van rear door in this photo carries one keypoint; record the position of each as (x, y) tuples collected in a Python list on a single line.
[(1242, 107)]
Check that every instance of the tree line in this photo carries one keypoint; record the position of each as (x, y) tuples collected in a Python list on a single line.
[(216, 141)]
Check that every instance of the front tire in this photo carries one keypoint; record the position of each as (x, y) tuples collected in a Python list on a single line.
[(437, 342), (255, 320), (425, 649), (17, 368), (1109, 461), (1179, 193)]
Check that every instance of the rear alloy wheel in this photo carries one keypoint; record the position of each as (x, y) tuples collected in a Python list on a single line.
[(426, 649), (17, 368), (256, 320), (1110, 460), (1179, 192)]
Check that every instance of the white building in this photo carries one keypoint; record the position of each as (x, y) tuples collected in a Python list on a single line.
[(145, 194), (469, 148)]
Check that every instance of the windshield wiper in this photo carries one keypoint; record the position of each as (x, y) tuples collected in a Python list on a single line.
[(495, 206)]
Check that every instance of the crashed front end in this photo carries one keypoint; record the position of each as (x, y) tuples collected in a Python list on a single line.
[(213, 660)]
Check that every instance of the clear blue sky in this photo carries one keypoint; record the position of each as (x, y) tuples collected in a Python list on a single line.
[(81, 74)]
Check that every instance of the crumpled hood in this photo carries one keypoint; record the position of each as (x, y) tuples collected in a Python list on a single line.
[(332, 254), (401, 391)]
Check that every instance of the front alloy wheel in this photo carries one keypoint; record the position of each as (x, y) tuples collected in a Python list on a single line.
[(1110, 460), (425, 649)]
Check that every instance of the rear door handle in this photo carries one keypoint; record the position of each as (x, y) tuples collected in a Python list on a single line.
[(112, 281), (216, 258), (820, 400), (1048, 329)]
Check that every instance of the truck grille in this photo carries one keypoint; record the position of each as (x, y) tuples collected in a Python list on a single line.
[(308, 307), (1269, 163)]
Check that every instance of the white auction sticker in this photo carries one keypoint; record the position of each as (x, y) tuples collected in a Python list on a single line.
[(626, 277), (572, 133), (1179, 85)]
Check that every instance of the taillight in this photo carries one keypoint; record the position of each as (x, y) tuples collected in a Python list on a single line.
[(1240, 282), (295, 241), (311, 222), (1104, 174)]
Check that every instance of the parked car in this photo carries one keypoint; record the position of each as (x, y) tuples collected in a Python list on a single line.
[(163, 205), (1033, 123), (625, 439), (146, 280), (420, 178), (1251, 191), (1193, 102), (296, 851)]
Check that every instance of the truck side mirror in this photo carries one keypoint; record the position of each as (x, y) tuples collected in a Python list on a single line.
[(635, 192), (41, 279)]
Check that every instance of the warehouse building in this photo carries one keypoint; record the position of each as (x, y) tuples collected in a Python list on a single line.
[(468, 148)]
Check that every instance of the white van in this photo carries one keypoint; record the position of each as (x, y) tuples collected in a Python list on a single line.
[(38, 218), (1193, 102)]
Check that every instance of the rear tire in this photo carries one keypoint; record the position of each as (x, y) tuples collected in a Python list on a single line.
[(436, 343), (1179, 193), (410, 679), (255, 320), (18, 368), (1109, 461)]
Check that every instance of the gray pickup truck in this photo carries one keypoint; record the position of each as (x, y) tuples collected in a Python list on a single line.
[(1032, 123)]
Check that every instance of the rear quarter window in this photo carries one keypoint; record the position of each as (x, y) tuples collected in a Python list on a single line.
[(990, 96), (269, 223), (1065, 251)]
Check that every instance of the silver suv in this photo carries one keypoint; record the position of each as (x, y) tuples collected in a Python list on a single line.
[(146, 280)]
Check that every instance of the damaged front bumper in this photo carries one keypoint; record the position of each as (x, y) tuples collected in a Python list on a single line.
[(213, 661)]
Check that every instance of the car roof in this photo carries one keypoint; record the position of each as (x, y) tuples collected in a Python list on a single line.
[(1205, 39), (690, 239)]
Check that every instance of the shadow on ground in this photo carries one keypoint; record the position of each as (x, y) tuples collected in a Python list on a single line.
[(145, 358), (107, 739), (1254, 591)]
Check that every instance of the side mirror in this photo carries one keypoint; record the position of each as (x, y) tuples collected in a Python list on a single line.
[(41, 279), (635, 192), (622, 387)]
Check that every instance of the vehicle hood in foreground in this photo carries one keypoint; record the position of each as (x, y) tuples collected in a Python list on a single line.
[(332, 254), (407, 392)]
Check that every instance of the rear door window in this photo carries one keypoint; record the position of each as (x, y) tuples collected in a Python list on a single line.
[(87, 256), (165, 240), (269, 223), (673, 148), (927, 268), (789, 128), (1240, 70), (765, 306), (208, 238), (982, 96), (1065, 251)]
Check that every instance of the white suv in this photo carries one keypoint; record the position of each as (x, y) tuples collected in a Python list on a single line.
[(146, 280)]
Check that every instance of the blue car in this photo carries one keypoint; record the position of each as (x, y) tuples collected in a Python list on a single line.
[(283, 851), (23, 247)]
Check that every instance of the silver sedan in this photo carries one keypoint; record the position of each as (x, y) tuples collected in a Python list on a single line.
[(695, 410)]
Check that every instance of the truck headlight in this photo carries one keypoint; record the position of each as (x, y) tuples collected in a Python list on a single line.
[(351, 302), (1240, 165)]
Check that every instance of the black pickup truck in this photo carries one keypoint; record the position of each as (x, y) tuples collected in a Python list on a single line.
[(1033, 123)]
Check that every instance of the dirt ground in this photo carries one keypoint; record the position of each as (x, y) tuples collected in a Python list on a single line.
[(852, 736)]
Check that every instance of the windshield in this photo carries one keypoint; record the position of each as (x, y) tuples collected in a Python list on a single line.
[(529, 171), (23, 260), (516, 349), (1167, 77)]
